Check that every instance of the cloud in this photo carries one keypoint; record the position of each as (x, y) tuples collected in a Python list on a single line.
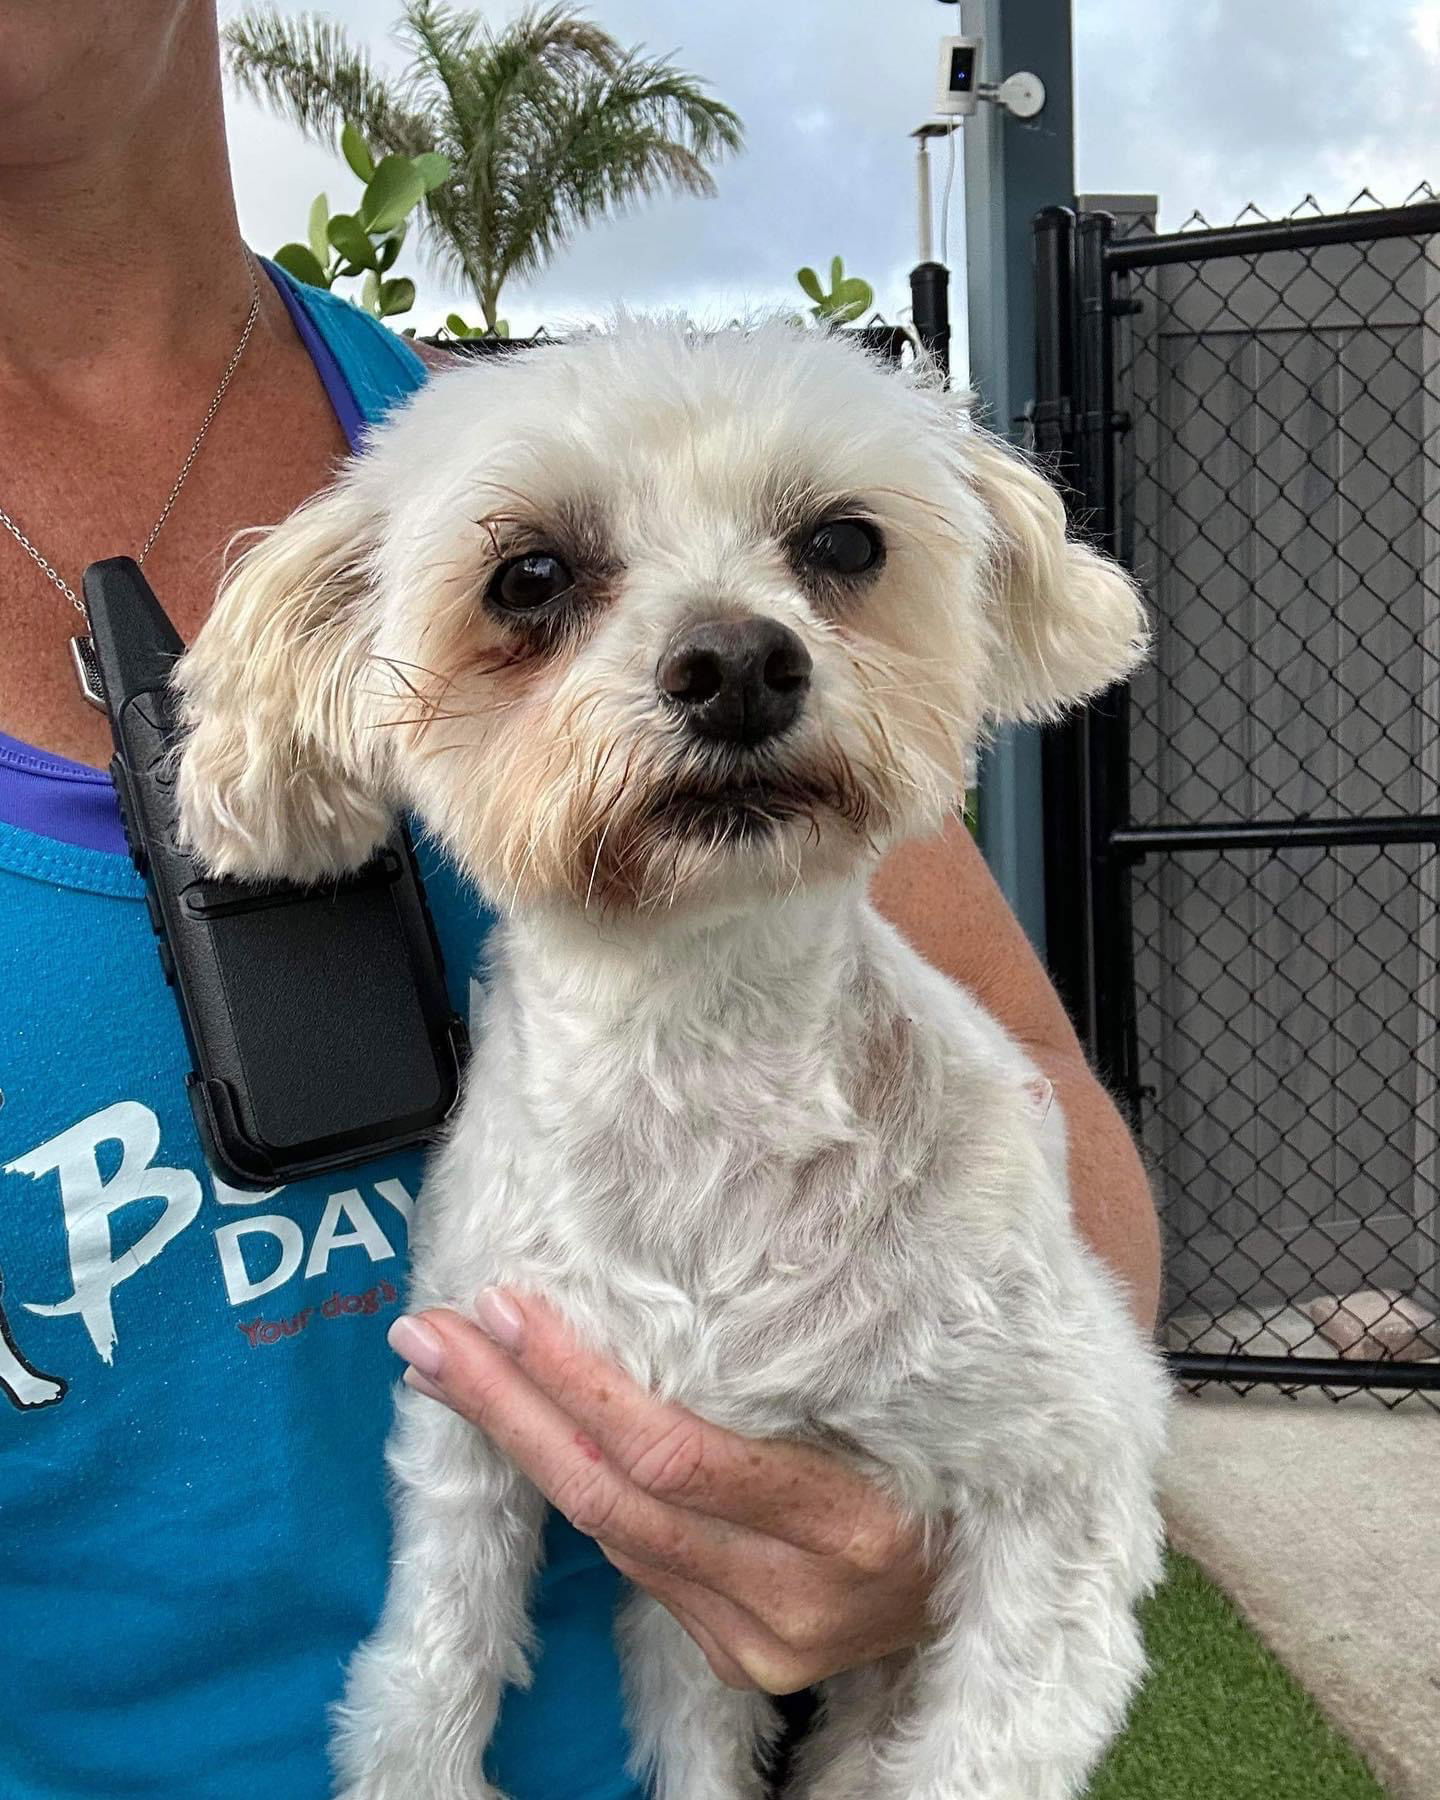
[(1225, 103), (1425, 27)]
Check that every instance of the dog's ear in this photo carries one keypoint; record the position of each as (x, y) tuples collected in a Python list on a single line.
[(1068, 620), (280, 775)]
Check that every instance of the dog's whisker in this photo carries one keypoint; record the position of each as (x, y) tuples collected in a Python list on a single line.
[(424, 722)]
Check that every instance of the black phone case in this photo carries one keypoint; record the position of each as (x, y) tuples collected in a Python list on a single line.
[(318, 1020)]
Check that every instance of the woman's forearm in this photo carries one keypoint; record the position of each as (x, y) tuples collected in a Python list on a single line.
[(1109, 1190), (941, 896)]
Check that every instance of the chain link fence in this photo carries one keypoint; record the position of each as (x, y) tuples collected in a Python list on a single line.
[(1264, 804)]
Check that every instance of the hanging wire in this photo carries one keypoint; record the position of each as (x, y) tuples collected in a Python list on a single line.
[(950, 137)]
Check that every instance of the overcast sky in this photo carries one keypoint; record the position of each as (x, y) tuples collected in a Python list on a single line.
[(1209, 103)]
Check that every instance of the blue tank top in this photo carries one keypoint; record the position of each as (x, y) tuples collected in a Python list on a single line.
[(194, 1382)]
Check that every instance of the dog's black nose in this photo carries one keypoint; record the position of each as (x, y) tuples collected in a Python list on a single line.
[(737, 680)]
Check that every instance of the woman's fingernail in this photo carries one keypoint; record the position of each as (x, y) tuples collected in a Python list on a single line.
[(423, 1385), (500, 1318), (418, 1344)]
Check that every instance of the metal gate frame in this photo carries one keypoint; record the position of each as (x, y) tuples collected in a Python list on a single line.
[(1092, 848)]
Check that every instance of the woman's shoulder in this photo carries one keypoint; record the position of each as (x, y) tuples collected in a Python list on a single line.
[(434, 356), (356, 355)]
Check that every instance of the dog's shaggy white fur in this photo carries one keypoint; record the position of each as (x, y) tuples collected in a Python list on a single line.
[(719, 1113)]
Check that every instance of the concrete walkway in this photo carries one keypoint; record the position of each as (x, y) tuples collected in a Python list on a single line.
[(1322, 1523)]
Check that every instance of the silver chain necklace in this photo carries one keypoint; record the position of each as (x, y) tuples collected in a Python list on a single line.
[(82, 650)]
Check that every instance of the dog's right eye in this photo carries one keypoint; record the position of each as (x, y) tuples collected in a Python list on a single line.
[(845, 547), (526, 582)]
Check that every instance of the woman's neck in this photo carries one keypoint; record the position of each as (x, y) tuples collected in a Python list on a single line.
[(121, 248)]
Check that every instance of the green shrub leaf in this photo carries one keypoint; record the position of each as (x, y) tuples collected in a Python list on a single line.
[(395, 188), (810, 283), (432, 168), (319, 219), (396, 296), (300, 261), (356, 151), (352, 241)]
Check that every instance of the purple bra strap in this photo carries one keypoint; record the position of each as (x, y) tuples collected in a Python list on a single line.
[(340, 393)]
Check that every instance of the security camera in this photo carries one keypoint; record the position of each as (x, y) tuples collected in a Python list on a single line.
[(959, 93)]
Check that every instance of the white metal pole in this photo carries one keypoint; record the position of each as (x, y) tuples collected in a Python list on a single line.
[(927, 214)]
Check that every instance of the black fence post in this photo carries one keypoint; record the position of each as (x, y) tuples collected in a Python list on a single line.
[(1063, 756), (930, 310), (1106, 723), (1085, 762)]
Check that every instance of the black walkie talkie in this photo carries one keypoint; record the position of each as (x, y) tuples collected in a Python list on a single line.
[(317, 1017)]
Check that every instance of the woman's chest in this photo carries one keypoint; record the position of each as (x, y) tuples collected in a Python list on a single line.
[(80, 489)]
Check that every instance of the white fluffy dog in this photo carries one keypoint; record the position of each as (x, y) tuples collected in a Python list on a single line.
[(669, 637)]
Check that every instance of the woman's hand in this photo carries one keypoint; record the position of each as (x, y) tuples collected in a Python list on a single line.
[(782, 1563)]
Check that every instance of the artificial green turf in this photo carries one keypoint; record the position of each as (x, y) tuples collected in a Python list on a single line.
[(1218, 1717)]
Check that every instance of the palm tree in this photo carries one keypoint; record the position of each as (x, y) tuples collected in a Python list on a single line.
[(548, 123)]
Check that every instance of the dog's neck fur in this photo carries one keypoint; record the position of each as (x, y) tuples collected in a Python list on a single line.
[(718, 1019), (721, 974), (677, 1079)]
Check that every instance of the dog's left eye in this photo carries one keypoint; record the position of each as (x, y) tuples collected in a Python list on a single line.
[(844, 547), (526, 582)]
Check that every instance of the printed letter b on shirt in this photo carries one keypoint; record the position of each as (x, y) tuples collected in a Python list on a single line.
[(90, 1202)]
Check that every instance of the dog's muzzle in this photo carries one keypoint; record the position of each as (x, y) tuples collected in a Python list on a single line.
[(736, 681)]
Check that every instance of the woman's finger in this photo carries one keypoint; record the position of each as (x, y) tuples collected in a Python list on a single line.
[(807, 1497), (817, 1642), (721, 1662), (485, 1385)]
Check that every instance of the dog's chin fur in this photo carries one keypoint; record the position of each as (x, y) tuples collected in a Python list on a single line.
[(719, 1113), (695, 846)]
